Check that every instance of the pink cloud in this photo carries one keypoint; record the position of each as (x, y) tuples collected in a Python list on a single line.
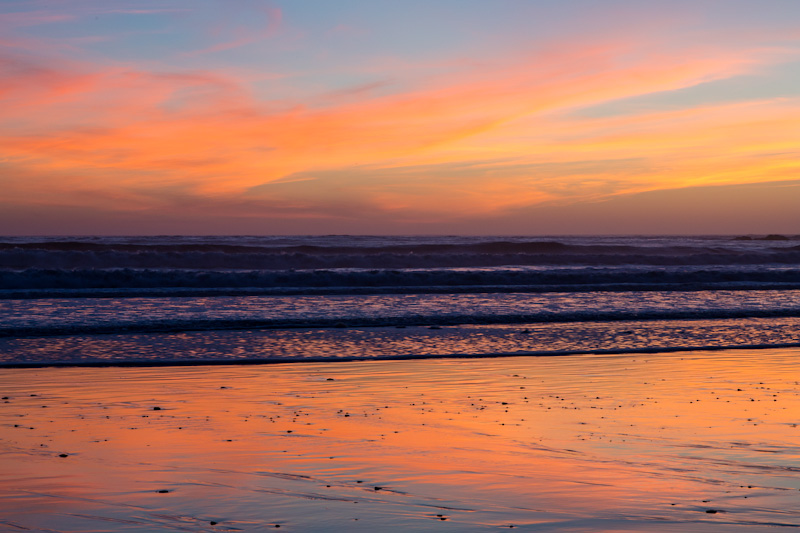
[(32, 18), (242, 35)]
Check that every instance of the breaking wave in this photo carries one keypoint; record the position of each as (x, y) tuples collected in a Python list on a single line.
[(32, 267)]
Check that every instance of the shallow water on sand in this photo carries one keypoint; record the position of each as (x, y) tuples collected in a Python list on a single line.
[(337, 344), (692, 441)]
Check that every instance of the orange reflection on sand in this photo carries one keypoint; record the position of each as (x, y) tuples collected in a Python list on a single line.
[(642, 441)]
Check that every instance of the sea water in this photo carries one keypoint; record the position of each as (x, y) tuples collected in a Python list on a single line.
[(168, 299)]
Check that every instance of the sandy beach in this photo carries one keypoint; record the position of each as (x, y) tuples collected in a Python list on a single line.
[(693, 441)]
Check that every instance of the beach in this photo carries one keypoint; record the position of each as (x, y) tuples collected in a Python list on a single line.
[(383, 267), (685, 441), (413, 383)]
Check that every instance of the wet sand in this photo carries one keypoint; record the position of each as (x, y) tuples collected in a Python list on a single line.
[(695, 441)]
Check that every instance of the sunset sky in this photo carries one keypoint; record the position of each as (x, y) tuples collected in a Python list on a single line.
[(430, 116)]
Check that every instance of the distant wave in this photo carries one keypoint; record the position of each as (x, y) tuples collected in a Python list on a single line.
[(130, 266), (98, 282), (219, 256)]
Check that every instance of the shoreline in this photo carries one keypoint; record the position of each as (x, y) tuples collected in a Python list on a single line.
[(409, 357), (466, 341)]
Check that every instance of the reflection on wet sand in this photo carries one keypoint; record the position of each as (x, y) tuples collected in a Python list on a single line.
[(672, 442)]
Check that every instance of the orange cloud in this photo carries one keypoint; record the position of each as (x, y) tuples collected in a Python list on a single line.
[(75, 133)]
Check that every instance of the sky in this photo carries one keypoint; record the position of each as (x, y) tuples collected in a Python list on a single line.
[(540, 117)]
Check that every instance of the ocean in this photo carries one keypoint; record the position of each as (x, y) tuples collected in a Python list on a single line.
[(249, 299), (647, 383)]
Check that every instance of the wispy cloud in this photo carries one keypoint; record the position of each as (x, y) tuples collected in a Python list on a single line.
[(263, 22), (33, 18), (481, 139)]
